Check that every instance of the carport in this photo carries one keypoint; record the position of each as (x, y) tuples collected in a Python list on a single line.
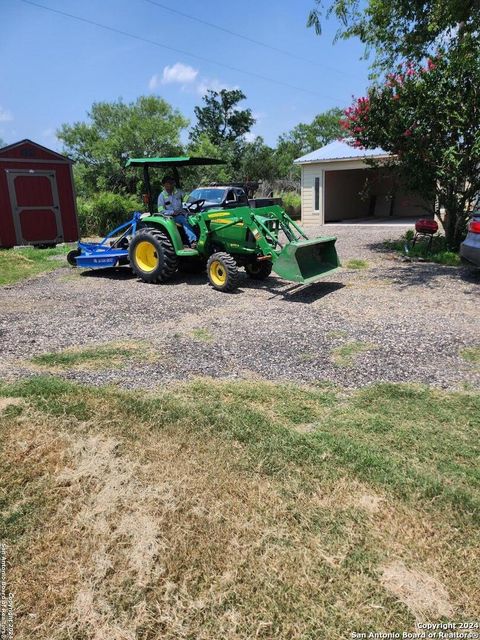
[(338, 185)]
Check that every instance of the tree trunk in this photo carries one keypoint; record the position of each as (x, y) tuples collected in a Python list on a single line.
[(454, 225)]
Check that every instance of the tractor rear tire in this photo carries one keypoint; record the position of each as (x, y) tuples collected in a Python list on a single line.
[(259, 270), (223, 271), (152, 256)]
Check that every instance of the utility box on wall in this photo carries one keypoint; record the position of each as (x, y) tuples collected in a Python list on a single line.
[(37, 197)]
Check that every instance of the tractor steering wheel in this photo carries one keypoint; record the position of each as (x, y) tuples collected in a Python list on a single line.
[(198, 204)]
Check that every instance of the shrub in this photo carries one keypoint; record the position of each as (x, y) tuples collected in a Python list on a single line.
[(292, 204), (438, 251), (104, 211)]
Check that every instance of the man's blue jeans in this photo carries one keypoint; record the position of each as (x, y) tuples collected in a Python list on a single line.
[(187, 227)]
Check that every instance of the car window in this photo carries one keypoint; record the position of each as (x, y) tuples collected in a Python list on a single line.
[(230, 196), (241, 196), (214, 196)]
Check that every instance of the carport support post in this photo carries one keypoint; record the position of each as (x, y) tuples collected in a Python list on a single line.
[(148, 188)]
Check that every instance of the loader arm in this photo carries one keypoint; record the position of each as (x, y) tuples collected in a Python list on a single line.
[(300, 259), (297, 258)]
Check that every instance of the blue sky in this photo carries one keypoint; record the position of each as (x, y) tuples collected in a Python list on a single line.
[(53, 68)]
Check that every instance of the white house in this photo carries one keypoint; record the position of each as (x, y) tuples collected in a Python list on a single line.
[(338, 185)]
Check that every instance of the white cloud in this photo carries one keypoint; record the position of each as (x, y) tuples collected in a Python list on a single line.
[(180, 73), (176, 74), (5, 116), (205, 84), (187, 78), (154, 82)]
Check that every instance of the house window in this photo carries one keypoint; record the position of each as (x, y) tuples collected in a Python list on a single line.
[(317, 194)]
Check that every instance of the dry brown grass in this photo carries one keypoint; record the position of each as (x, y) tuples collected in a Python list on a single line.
[(423, 595), (137, 531), (9, 402)]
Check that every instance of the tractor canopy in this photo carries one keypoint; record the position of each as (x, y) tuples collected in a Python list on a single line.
[(174, 162), (179, 161)]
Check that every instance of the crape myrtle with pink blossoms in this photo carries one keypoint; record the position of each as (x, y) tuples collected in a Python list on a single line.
[(424, 104), (427, 115)]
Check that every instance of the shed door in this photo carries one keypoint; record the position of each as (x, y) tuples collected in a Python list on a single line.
[(35, 206)]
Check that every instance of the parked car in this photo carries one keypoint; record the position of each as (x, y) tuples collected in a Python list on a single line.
[(230, 196), (470, 247), (219, 197)]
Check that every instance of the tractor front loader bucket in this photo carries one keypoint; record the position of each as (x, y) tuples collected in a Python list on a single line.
[(307, 261)]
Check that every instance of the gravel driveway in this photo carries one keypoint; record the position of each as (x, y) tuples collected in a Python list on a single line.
[(394, 321)]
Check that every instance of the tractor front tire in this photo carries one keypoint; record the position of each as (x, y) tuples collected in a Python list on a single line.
[(152, 256), (259, 270), (222, 271)]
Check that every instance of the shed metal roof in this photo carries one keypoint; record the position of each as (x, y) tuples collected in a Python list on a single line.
[(340, 150)]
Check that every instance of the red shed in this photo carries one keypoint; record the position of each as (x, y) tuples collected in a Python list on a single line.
[(37, 197)]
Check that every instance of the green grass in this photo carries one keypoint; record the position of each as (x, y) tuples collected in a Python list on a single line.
[(307, 356), (438, 252), (255, 516), (471, 354), (202, 334), (19, 264), (356, 263), (344, 356), (336, 334), (414, 440), (102, 355)]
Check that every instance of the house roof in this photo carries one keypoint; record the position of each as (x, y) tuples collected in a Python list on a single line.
[(340, 150)]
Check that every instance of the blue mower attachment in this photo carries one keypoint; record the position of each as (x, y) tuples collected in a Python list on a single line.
[(105, 255)]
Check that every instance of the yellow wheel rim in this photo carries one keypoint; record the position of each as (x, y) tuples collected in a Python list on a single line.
[(218, 273), (146, 256)]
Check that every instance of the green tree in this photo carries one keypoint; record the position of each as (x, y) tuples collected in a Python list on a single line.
[(304, 138), (2, 143), (220, 119), (429, 118), (258, 161), (222, 173), (404, 29), (243, 161), (114, 130)]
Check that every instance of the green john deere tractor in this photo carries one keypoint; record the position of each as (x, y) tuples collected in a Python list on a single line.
[(229, 237)]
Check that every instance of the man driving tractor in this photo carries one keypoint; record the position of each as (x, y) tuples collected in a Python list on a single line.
[(170, 203)]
